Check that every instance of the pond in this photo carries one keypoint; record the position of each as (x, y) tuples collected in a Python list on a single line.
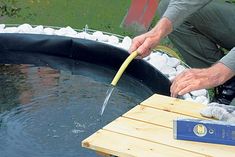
[(48, 108)]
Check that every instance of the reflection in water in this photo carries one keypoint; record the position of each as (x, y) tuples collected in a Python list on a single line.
[(48, 112)]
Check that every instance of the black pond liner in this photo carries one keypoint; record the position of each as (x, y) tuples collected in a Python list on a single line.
[(60, 119), (84, 50)]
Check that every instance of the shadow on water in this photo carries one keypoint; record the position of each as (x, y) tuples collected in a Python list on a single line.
[(49, 105)]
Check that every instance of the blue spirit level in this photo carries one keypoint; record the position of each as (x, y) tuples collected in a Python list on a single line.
[(209, 131)]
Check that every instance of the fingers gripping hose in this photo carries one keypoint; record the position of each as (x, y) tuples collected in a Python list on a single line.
[(123, 67)]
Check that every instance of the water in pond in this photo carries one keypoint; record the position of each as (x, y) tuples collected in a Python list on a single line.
[(48, 110)]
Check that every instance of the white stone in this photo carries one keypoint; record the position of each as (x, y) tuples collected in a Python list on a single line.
[(25, 28), (190, 99), (126, 42), (70, 31), (187, 95), (201, 92), (171, 78), (90, 37), (167, 70), (178, 72), (2, 26), (166, 56), (180, 68), (155, 55), (104, 38), (81, 35), (60, 32), (48, 31), (205, 102), (113, 40), (173, 73), (147, 58), (38, 29), (173, 62), (98, 33), (100, 36), (11, 30), (201, 99), (206, 112), (158, 62)]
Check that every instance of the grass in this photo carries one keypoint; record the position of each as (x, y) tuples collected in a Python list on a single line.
[(104, 15)]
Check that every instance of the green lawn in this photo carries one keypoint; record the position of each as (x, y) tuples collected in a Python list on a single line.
[(104, 15)]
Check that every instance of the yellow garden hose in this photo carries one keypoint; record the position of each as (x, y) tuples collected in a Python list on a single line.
[(123, 67)]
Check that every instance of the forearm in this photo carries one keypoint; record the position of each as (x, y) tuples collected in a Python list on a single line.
[(162, 28), (218, 74)]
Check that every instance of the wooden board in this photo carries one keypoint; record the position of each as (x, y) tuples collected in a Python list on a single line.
[(146, 130)]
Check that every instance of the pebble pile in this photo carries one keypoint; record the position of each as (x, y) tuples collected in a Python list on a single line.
[(168, 65)]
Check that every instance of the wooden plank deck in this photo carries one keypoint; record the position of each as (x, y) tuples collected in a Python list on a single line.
[(146, 130)]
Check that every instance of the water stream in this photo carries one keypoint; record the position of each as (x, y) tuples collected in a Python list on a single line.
[(108, 94)]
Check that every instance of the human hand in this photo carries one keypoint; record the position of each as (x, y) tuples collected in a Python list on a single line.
[(144, 43), (219, 112), (195, 79)]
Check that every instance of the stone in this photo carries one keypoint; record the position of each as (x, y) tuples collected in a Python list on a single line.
[(38, 29), (113, 40), (201, 92), (69, 30), (49, 31), (81, 35), (25, 28), (11, 30), (90, 37), (2, 26), (126, 42), (171, 78), (60, 32), (167, 70), (158, 62), (200, 99), (180, 68), (186, 96), (99, 36), (173, 62)]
